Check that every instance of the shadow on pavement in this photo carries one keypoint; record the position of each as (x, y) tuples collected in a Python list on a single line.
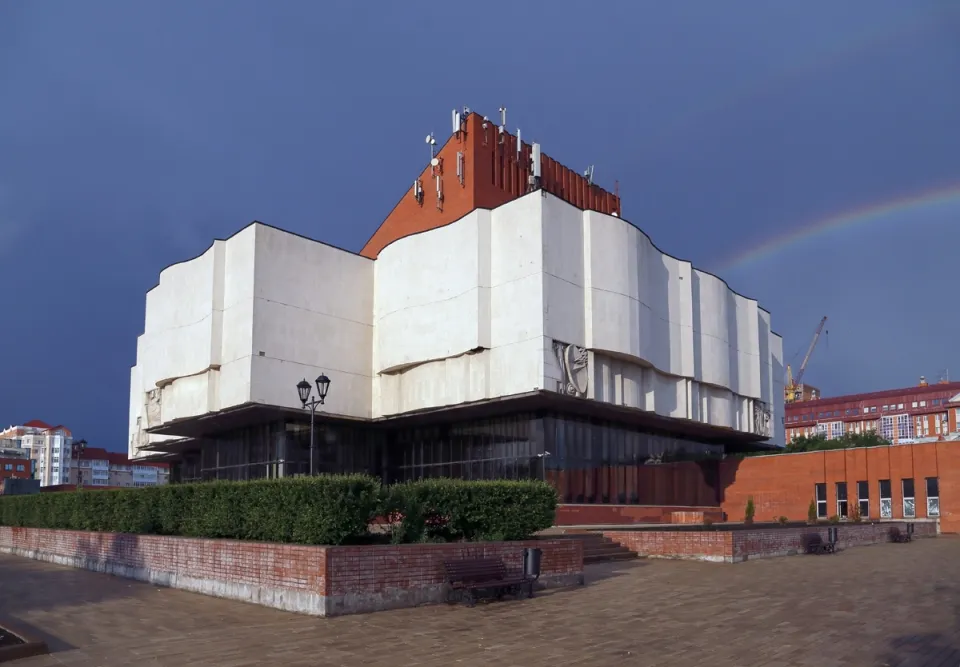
[(599, 571), (28, 585), (929, 649), (33, 633)]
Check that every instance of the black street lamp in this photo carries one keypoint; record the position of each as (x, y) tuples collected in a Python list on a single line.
[(303, 390), (543, 464), (78, 448)]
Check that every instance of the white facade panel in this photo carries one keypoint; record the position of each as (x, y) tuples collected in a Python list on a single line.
[(312, 314)]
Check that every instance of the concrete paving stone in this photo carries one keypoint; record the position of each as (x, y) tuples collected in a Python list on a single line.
[(896, 605)]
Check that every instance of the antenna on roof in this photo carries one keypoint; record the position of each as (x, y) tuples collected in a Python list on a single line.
[(485, 124), (535, 167), (433, 145), (588, 174), (519, 144), (456, 117), (503, 123)]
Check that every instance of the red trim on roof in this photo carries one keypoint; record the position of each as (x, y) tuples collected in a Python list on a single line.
[(888, 393), (36, 423)]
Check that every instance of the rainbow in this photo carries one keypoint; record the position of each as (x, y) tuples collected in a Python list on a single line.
[(862, 215)]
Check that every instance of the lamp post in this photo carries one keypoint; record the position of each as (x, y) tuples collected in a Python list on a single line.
[(304, 389), (78, 448), (543, 465)]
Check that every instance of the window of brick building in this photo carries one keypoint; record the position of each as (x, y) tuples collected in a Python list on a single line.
[(863, 498), (886, 499), (933, 496), (909, 499), (842, 505), (821, 495)]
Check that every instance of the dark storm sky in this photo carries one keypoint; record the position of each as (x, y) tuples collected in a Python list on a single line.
[(133, 133)]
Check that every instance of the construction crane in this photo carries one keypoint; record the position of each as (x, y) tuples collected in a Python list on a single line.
[(793, 390)]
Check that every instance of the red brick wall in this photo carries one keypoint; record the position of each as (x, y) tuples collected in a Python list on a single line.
[(351, 579), (372, 570), (614, 515), (253, 563), (492, 177), (694, 544), (13, 472), (762, 543), (783, 485), (739, 545)]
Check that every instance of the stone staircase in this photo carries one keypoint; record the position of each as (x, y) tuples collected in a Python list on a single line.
[(600, 549)]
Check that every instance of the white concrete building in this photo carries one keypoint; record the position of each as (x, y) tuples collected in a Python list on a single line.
[(579, 349)]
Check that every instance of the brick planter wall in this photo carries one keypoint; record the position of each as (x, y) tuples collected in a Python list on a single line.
[(615, 515), (713, 545), (735, 546), (317, 580)]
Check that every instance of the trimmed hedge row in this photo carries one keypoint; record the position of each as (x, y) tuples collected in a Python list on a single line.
[(451, 510), (327, 509)]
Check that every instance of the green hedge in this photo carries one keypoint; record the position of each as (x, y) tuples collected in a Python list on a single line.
[(327, 509), (451, 509)]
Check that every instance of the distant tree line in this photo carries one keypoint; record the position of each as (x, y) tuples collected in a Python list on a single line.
[(819, 443)]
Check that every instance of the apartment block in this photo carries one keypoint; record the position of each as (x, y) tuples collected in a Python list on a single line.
[(923, 413), (98, 467), (49, 447)]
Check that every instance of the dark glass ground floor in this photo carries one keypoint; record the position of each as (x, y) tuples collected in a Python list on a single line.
[(587, 460)]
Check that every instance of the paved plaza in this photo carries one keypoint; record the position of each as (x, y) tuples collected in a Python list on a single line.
[(882, 605)]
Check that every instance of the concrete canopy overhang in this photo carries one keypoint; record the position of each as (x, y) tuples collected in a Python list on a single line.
[(252, 414)]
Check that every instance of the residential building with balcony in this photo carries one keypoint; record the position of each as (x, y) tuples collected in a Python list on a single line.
[(50, 448), (99, 468), (923, 413)]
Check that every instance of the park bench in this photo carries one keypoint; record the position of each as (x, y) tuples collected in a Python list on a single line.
[(471, 577), (814, 544), (897, 536)]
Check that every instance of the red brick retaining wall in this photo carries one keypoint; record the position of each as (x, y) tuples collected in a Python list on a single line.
[(735, 546), (615, 515), (318, 580)]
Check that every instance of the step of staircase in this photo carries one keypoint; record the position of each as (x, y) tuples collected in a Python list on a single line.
[(600, 549)]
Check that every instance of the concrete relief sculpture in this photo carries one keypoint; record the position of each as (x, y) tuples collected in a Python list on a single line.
[(761, 419), (138, 438), (654, 460), (573, 361), (153, 407)]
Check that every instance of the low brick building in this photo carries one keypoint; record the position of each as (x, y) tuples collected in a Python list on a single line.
[(893, 482), (15, 464)]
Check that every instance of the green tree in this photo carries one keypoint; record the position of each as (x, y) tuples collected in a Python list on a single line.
[(819, 443)]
